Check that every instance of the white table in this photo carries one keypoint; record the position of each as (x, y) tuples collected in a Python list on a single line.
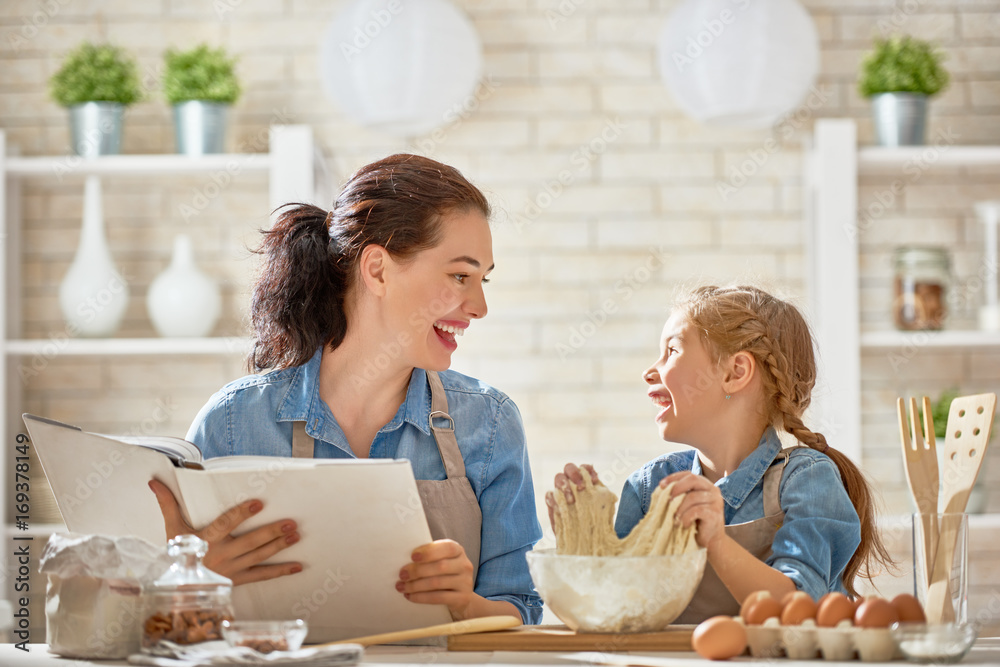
[(986, 652)]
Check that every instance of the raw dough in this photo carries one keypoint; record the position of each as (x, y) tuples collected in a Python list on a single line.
[(586, 528)]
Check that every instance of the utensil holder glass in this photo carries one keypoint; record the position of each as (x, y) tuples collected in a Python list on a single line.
[(941, 566)]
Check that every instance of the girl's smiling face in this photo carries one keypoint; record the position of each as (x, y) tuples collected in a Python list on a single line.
[(437, 293), (685, 383)]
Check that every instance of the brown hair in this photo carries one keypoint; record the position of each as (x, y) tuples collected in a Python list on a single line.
[(741, 318), (311, 255)]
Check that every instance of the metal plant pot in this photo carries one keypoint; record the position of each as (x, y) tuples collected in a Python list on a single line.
[(200, 127), (900, 118), (96, 128)]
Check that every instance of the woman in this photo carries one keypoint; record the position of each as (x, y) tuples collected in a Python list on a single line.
[(357, 311)]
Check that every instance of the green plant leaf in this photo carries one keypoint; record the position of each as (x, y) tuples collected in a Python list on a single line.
[(200, 73), (902, 64), (96, 73)]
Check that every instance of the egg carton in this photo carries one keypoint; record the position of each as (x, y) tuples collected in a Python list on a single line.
[(806, 642)]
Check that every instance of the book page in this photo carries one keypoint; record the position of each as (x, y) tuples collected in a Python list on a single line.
[(179, 447), (100, 484), (359, 522)]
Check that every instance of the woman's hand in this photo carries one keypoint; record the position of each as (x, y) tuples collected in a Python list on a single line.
[(569, 479), (703, 503), (237, 558), (439, 573)]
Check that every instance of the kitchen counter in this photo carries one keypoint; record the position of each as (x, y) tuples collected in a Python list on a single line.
[(985, 652)]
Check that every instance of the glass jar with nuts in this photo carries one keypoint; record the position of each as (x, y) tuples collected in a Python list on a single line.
[(188, 604), (920, 287)]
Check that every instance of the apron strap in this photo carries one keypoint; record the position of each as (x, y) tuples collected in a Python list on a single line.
[(451, 455), (772, 485), (303, 445)]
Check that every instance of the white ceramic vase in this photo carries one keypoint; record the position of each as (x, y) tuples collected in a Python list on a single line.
[(183, 301), (93, 295)]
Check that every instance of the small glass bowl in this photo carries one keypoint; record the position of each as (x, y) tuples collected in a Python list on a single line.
[(943, 643), (266, 636)]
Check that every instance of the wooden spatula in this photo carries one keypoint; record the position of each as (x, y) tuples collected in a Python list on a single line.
[(484, 624), (969, 422), (920, 458)]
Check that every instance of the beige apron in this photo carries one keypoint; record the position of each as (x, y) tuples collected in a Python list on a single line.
[(450, 504), (712, 597)]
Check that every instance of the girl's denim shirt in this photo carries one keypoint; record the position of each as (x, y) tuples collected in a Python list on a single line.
[(820, 531), (254, 415)]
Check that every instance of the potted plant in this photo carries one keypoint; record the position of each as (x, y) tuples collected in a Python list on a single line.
[(96, 82), (898, 76), (201, 85)]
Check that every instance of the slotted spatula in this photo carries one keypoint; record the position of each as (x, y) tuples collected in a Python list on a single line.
[(920, 457), (969, 422)]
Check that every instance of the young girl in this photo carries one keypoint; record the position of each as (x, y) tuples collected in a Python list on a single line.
[(736, 364)]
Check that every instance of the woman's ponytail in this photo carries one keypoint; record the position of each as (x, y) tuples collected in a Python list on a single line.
[(297, 304)]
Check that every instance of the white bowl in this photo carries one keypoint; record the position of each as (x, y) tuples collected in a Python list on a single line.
[(942, 644), (616, 593)]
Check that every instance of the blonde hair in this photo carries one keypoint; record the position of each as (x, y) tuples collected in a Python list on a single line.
[(743, 318)]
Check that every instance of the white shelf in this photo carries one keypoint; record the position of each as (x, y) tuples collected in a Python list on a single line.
[(138, 165), (48, 347), (833, 167), (872, 157), (880, 340)]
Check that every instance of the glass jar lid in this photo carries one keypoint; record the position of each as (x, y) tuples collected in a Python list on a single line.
[(909, 257), (187, 572)]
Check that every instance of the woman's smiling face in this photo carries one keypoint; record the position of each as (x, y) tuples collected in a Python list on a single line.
[(438, 292), (684, 382)]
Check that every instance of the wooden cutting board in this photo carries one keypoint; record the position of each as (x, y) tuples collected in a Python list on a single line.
[(561, 638)]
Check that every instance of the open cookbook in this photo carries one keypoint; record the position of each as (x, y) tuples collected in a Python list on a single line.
[(359, 519)]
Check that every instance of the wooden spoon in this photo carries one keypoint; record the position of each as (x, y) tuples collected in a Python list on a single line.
[(969, 422)]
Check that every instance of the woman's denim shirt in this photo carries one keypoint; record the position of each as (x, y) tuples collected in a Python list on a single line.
[(820, 531), (254, 415)]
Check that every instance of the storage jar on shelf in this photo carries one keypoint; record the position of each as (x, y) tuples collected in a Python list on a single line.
[(921, 282)]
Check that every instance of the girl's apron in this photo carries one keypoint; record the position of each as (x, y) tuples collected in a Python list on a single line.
[(712, 598), (450, 504)]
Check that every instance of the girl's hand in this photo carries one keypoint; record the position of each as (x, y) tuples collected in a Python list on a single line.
[(569, 479), (439, 573), (237, 558), (703, 503)]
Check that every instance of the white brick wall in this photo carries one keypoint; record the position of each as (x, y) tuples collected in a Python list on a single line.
[(553, 88)]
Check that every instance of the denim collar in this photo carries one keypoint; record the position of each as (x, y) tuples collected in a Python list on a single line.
[(736, 486), (303, 403)]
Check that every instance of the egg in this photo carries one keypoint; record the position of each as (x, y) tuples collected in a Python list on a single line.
[(875, 613), (750, 601), (760, 610), (719, 638), (798, 607), (908, 608), (834, 608)]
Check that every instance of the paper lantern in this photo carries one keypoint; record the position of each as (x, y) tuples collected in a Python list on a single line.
[(401, 66), (739, 62)]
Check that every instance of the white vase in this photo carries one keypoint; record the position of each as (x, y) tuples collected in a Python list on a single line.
[(93, 295), (183, 301)]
